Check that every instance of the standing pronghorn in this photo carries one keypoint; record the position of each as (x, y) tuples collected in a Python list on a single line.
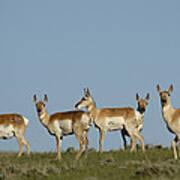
[(171, 116), (65, 123), (111, 119), (14, 125)]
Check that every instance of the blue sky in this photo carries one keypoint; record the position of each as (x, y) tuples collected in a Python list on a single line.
[(116, 48)]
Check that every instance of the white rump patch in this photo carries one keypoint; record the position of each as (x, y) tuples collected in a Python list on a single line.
[(26, 121), (6, 131)]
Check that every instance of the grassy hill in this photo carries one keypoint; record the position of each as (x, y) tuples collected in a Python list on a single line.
[(153, 164)]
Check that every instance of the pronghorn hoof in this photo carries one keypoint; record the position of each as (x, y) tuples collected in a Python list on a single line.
[(85, 157), (77, 157), (58, 158), (19, 155), (131, 151)]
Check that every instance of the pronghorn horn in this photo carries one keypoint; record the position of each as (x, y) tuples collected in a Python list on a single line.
[(137, 97), (85, 91), (148, 96), (45, 98), (35, 99), (88, 92), (158, 88), (170, 89)]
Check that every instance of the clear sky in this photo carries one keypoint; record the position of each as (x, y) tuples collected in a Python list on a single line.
[(116, 48)]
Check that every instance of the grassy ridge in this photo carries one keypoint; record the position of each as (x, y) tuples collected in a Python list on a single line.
[(153, 164)]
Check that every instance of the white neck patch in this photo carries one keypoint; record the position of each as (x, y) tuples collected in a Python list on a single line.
[(139, 116), (42, 116)]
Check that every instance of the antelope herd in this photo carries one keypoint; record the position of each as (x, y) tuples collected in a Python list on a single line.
[(128, 120)]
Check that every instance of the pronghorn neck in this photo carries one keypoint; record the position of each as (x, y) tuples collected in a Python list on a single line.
[(44, 117), (92, 110), (168, 106), (140, 114), (167, 109)]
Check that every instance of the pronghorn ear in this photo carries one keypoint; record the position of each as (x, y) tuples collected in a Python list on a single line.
[(88, 92), (35, 99), (45, 98), (148, 96), (170, 89), (85, 91), (137, 97), (158, 88)]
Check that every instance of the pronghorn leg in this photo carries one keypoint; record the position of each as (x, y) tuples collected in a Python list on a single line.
[(124, 139), (87, 144), (21, 145), (58, 139), (141, 138), (81, 141), (178, 139), (133, 143), (27, 145), (174, 147), (101, 142)]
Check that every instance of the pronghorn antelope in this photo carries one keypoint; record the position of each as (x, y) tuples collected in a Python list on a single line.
[(171, 117), (14, 125), (111, 119), (142, 103), (65, 123)]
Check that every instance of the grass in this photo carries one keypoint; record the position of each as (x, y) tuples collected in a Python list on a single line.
[(153, 164)]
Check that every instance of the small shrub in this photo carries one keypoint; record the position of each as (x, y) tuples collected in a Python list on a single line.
[(149, 146), (35, 173), (92, 150), (71, 150), (109, 161), (91, 178), (159, 146), (52, 170)]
